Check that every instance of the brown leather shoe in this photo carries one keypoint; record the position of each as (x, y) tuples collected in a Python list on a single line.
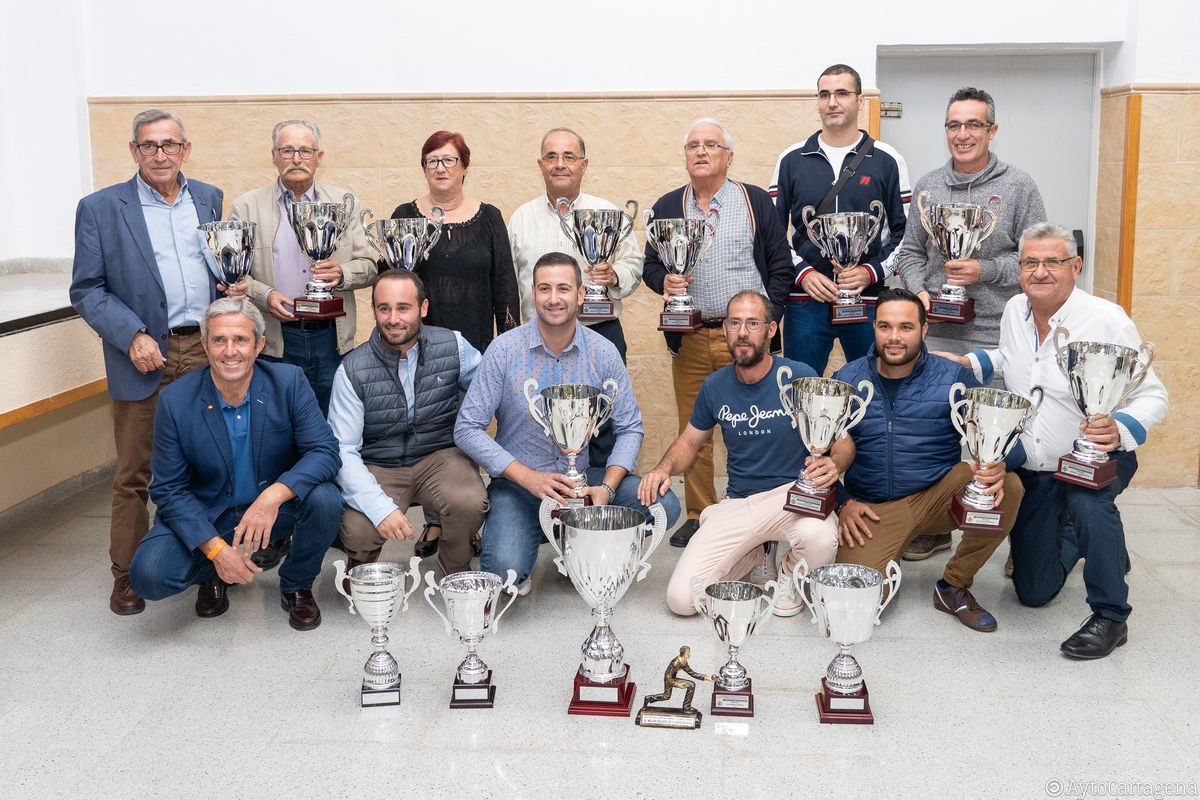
[(303, 614), (211, 600), (124, 600), (925, 545), (959, 602)]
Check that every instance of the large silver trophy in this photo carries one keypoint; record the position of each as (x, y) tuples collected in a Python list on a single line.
[(405, 241), (471, 600), (735, 609), (571, 414), (680, 245), (989, 422), (603, 550), (231, 243), (318, 227), (846, 602), (597, 232), (821, 409), (376, 594), (958, 230), (1101, 377), (843, 237)]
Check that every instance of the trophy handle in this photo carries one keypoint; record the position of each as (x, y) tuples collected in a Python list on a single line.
[(627, 227), (608, 398), (369, 230), (698, 587), (809, 218), (800, 581), (339, 575), (783, 378), (955, 408), (429, 593), (509, 585), (550, 527), (647, 218), (436, 226), (559, 205), (531, 397), (414, 569), (767, 601), (876, 220), (1141, 369), (1058, 341), (658, 528), (922, 199), (710, 236), (861, 411), (1033, 408), (892, 582), (998, 208)]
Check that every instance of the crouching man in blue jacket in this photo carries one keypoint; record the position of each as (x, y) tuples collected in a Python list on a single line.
[(907, 466)]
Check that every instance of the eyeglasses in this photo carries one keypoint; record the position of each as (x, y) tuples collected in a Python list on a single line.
[(289, 153), (708, 147), (842, 95), (973, 125), (566, 158), (168, 148), (1051, 264), (751, 325), (444, 161)]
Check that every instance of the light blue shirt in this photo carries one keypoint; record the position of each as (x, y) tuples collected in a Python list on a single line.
[(359, 487), (178, 252), (498, 390)]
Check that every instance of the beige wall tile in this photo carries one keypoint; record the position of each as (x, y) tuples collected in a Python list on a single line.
[(1167, 197), (1105, 260), (1153, 262), (1108, 195), (1168, 458), (1189, 133), (1112, 130), (1161, 121)]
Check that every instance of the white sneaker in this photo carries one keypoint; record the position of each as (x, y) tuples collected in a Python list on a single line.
[(787, 602), (765, 570), (525, 587)]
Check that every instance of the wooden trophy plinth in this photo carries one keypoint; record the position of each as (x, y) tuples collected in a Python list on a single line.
[(474, 695), (969, 518), (728, 703), (329, 308), (679, 321), (817, 506), (959, 311), (574, 502), (847, 313), (1088, 474), (597, 310), (609, 699), (388, 696), (849, 709)]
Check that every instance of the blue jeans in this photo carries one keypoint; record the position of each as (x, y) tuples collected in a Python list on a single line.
[(316, 353), (512, 534), (1044, 553), (164, 566), (808, 334)]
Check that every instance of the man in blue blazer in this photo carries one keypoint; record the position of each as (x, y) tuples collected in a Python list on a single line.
[(141, 281), (242, 456)]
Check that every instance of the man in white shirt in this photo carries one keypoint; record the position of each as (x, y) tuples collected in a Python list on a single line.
[(1043, 552)]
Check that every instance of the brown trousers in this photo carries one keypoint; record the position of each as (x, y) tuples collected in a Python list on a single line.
[(445, 482), (701, 354), (928, 511), (133, 430)]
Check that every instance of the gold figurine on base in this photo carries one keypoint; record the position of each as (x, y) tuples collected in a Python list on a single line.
[(664, 717)]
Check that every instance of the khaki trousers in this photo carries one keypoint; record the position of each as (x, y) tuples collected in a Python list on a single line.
[(700, 354)]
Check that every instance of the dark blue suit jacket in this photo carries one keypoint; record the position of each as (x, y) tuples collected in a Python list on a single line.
[(192, 466), (115, 284)]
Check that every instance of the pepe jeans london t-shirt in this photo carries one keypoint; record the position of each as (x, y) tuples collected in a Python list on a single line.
[(765, 451)]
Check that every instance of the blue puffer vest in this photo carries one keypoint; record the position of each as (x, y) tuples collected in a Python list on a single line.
[(905, 447), (390, 438)]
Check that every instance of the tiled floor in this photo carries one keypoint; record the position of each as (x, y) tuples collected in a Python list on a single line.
[(164, 704)]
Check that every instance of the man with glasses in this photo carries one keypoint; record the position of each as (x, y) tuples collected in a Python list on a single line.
[(749, 252), (140, 280), (765, 456), (1044, 550), (840, 157), (972, 175)]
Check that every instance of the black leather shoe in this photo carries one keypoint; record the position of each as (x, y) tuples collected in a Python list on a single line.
[(303, 614), (270, 556), (425, 547), (1098, 637), (211, 600), (681, 537)]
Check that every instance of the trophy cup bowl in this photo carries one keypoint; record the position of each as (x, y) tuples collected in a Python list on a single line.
[(602, 550), (571, 414), (821, 409), (958, 230), (318, 227), (735, 609), (843, 237), (597, 233), (376, 594), (231, 243), (846, 602), (404, 241), (680, 245), (471, 602), (989, 423), (1100, 376)]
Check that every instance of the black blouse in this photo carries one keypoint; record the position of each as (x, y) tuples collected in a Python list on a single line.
[(469, 276)]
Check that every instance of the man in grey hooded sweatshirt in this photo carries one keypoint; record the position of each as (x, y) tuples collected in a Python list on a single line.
[(972, 175)]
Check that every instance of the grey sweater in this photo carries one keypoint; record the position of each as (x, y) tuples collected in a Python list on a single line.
[(922, 267)]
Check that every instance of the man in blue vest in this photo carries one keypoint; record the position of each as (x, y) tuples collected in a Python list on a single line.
[(395, 398)]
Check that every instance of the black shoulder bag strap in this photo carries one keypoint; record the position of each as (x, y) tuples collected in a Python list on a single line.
[(848, 171)]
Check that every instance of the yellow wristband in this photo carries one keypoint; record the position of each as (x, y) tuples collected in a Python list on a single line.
[(220, 545)]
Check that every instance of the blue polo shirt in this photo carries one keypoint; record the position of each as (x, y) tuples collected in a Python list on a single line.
[(237, 425)]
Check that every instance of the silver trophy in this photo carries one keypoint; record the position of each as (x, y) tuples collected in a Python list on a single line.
[(471, 600), (843, 237), (376, 594), (318, 227), (231, 243), (405, 241), (571, 414), (989, 422), (1101, 377), (680, 245), (735, 609), (597, 233), (846, 602), (603, 550), (821, 409), (958, 230)]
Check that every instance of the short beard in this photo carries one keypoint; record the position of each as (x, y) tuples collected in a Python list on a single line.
[(755, 357), (908, 357), (416, 331)]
